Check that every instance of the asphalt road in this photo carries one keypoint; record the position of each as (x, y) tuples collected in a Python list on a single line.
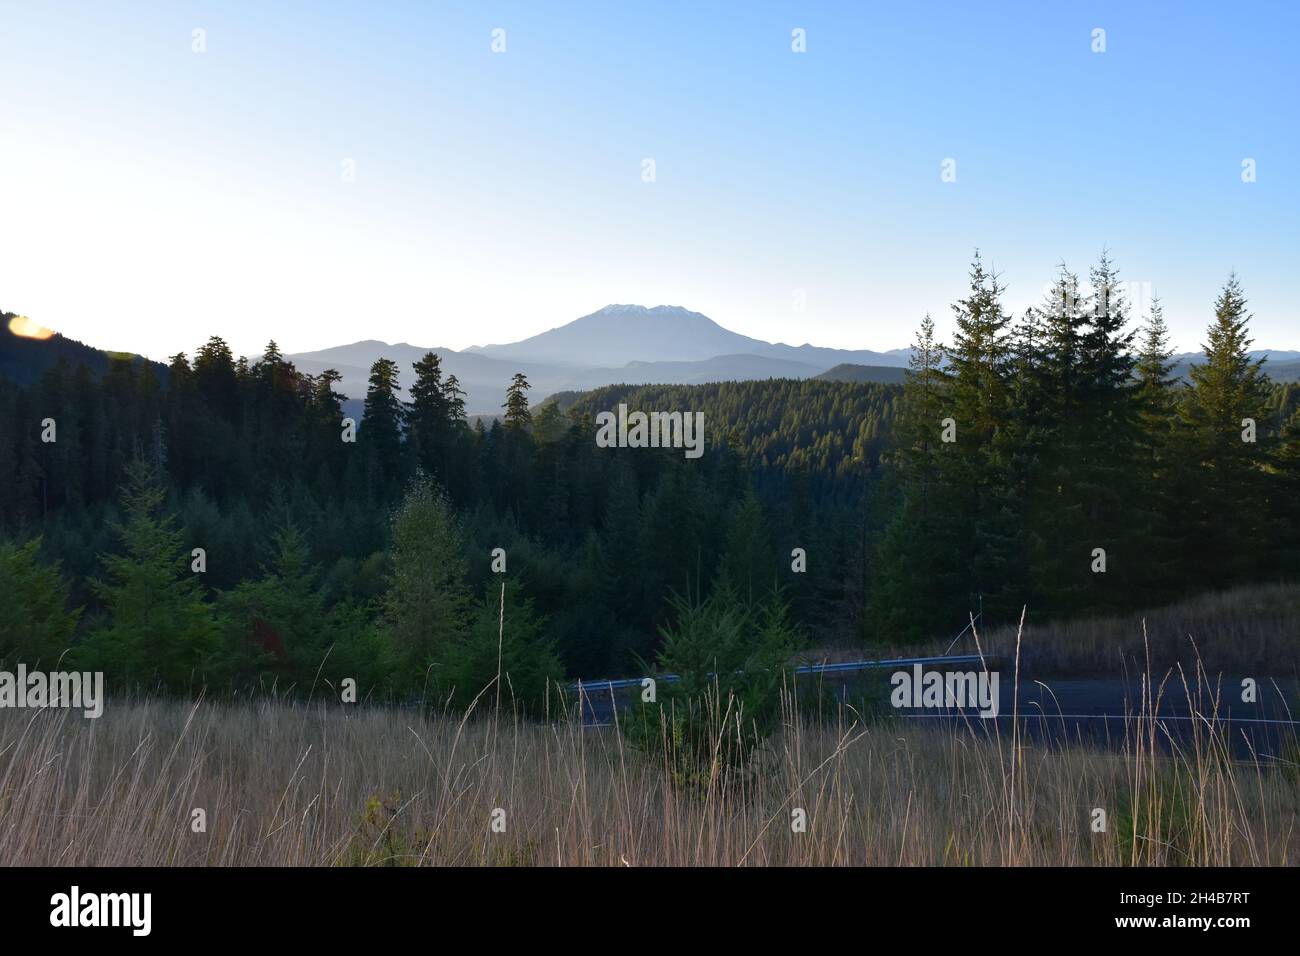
[(1103, 712)]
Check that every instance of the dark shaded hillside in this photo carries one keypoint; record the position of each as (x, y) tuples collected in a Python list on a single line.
[(23, 360), (824, 429), (847, 372), (1284, 371)]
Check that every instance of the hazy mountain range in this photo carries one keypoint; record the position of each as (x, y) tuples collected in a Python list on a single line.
[(620, 344), (635, 345)]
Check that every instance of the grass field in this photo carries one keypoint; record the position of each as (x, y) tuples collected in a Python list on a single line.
[(325, 784), (1243, 630)]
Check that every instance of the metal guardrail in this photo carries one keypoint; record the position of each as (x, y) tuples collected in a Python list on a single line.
[(846, 667)]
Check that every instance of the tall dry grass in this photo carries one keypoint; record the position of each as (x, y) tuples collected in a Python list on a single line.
[(1252, 629), (325, 784)]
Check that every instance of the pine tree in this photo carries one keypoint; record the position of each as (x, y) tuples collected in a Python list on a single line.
[(1228, 397), (1154, 367), (919, 587), (748, 563), (979, 360), (516, 447), (159, 630), (454, 398), (1105, 483), (216, 378), (36, 626), (919, 424), (428, 417), (978, 472), (1285, 511), (425, 608), (380, 434), (517, 417), (1159, 471), (1050, 405)]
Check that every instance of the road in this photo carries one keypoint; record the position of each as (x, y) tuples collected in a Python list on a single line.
[(1094, 711)]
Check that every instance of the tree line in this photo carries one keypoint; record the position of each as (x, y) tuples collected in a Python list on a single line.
[(1053, 461)]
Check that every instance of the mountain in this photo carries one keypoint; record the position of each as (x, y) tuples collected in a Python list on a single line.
[(1280, 365), (485, 379), (620, 344), (1278, 371), (618, 334), (24, 358), (636, 345)]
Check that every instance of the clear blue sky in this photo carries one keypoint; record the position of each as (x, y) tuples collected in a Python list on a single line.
[(151, 195)]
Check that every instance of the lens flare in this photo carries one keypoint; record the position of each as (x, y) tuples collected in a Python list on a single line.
[(21, 325)]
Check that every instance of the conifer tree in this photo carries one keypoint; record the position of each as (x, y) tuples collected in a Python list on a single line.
[(919, 587), (428, 418), (1159, 471), (159, 630), (978, 471), (426, 606), (380, 434), (1285, 522), (1105, 472), (505, 636), (517, 417), (36, 626), (1225, 407)]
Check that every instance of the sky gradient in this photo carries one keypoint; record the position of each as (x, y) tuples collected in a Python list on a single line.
[(151, 195)]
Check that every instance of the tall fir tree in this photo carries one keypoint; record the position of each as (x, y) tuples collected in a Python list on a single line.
[(1160, 474), (426, 607), (160, 632), (1227, 435), (428, 418), (517, 416), (380, 435), (1105, 474), (920, 585), (978, 472)]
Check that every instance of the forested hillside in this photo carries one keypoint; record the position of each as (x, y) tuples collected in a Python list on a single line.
[(300, 528), (24, 359), (235, 526), (826, 431)]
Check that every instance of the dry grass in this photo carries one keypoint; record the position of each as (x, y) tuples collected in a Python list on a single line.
[(1246, 630), (327, 784)]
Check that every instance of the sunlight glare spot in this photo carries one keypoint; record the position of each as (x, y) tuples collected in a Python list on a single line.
[(25, 327)]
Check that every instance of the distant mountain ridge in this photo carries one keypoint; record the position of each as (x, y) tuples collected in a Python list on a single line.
[(616, 345), (618, 334)]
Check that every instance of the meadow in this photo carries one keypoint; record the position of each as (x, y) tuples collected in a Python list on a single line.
[(318, 783)]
